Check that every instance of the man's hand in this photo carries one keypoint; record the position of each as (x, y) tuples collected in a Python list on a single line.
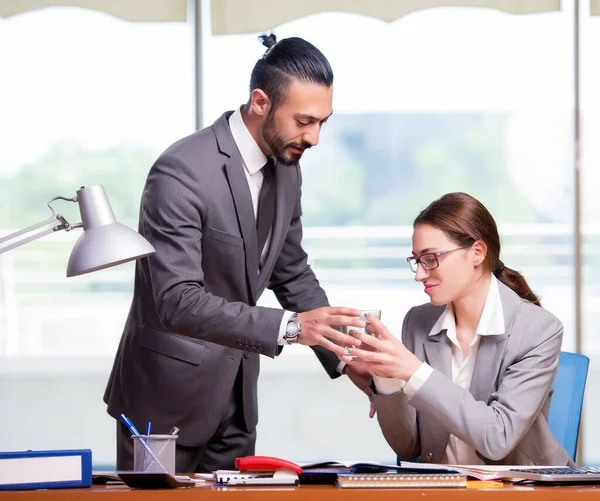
[(317, 328), (361, 379)]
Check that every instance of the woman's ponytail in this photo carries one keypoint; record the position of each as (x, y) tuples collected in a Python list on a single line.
[(514, 280)]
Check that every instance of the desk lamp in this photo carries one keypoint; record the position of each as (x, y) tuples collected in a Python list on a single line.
[(103, 243)]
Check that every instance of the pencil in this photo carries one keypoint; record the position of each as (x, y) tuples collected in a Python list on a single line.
[(481, 484)]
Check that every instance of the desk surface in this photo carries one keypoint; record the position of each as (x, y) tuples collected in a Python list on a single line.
[(310, 493)]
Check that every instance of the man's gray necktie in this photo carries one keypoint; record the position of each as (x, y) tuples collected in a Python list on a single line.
[(266, 205)]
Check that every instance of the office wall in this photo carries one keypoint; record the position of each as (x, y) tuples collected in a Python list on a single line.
[(60, 406)]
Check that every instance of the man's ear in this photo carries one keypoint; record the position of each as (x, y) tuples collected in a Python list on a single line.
[(260, 104), (478, 251)]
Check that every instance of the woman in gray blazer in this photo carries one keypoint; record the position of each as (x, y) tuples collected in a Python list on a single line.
[(471, 380)]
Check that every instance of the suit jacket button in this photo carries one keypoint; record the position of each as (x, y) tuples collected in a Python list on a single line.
[(428, 456), (246, 347), (260, 349), (239, 345), (246, 354)]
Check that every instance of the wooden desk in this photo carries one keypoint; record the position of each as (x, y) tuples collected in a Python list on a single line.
[(309, 493)]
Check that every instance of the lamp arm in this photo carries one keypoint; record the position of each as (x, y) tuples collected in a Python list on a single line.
[(63, 225), (68, 199)]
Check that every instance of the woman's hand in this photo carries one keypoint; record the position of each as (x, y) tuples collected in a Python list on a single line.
[(388, 357)]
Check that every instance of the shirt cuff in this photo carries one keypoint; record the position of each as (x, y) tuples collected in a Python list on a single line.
[(418, 379), (286, 316), (388, 385), (340, 367)]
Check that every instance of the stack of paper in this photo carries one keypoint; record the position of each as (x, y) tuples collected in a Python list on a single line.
[(482, 471), (479, 472)]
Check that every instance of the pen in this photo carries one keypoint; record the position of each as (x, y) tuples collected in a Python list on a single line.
[(148, 431), (131, 427), (127, 422)]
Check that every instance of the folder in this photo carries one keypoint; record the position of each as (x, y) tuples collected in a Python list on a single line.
[(56, 469)]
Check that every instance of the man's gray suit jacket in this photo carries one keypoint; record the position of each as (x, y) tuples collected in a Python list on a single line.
[(504, 414), (193, 319)]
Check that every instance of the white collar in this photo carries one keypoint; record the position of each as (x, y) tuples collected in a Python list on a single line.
[(491, 322), (253, 157)]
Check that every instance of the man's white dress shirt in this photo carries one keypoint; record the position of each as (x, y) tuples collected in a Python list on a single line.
[(254, 160)]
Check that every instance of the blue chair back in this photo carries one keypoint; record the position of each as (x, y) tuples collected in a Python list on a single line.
[(567, 400)]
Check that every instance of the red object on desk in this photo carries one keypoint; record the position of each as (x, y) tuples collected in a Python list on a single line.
[(265, 463)]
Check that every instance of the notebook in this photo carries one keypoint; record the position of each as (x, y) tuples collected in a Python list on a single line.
[(403, 480)]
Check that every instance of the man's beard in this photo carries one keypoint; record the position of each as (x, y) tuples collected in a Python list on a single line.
[(281, 150)]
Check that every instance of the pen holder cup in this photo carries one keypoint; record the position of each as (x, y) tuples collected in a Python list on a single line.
[(154, 453)]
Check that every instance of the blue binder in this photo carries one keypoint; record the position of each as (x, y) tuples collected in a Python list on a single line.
[(53, 469)]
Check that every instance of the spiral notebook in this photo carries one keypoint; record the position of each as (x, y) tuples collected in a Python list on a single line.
[(402, 480)]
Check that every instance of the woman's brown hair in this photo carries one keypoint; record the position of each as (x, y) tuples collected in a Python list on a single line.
[(465, 220)]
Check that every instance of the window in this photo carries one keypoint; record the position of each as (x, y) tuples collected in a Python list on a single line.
[(441, 100), (590, 229), (86, 99)]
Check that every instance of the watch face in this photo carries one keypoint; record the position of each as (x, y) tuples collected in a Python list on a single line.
[(291, 328)]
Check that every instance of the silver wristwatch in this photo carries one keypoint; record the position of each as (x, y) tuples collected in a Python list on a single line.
[(292, 329)]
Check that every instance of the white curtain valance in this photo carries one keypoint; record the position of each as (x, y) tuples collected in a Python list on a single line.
[(251, 16), (129, 10)]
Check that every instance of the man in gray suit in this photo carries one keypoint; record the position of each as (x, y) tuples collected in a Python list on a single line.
[(222, 208)]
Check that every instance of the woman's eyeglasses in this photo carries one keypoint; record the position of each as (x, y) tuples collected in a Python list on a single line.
[(429, 261)]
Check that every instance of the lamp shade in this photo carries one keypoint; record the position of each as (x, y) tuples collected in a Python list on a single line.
[(104, 242)]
